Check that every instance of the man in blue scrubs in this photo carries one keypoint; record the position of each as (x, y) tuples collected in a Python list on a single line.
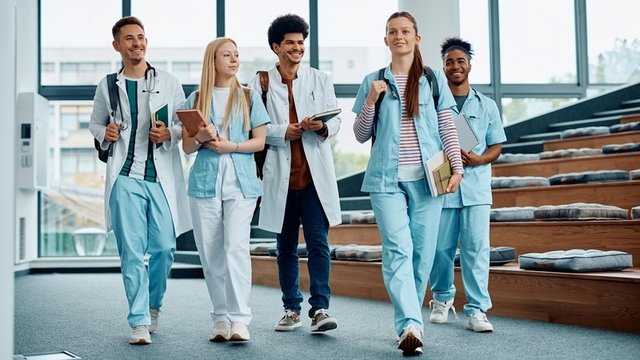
[(146, 202), (465, 214)]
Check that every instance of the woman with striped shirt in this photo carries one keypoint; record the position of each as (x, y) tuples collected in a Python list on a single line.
[(409, 130)]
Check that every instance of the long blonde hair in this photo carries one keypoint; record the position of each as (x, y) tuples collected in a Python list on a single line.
[(238, 96)]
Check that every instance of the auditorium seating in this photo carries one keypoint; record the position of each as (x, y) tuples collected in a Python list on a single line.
[(608, 300)]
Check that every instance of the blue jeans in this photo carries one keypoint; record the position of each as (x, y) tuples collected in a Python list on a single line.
[(304, 207)]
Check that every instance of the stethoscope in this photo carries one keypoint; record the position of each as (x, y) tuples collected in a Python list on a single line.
[(150, 75)]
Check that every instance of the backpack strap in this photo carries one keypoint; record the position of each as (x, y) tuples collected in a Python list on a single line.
[(433, 83), (113, 92), (114, 98), (264, 85), (376, 110), (261, 156)]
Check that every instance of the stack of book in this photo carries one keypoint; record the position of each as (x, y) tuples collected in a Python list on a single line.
[(438, 167)]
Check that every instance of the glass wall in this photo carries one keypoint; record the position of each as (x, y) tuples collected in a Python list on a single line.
[(474, 28), (537, 46), (77, 52), (355, 48), (249, 30), (614, 41), (527, 57)]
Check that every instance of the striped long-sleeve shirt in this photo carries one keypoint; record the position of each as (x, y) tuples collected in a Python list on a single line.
[(409, 154)]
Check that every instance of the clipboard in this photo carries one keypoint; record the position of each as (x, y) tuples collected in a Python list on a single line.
[(326, 115), (466, 136)]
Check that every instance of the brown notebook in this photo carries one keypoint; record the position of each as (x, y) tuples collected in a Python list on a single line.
[(442, 174), (192, 120), (438, 172)]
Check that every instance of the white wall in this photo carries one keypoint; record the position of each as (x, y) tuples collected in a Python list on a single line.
[(26, 81), (437, 20), (7, 161)]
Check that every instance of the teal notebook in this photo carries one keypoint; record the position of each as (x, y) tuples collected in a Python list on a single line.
[(162, 114)]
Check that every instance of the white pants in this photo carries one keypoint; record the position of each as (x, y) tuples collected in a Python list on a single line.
[(221, 228)]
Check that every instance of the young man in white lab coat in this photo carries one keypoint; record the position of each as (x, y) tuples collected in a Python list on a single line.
[(145, 196), (299, 175)]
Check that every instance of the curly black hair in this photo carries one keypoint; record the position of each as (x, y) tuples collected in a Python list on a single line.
[(285, 24), (455, 43)]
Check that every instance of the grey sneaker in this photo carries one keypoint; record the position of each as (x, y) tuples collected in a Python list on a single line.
[(478, 322), (440, 311), (154, 313), (289, 321), (221, 332), (140, 335), (239, 332), (322, 321), (410, 341)]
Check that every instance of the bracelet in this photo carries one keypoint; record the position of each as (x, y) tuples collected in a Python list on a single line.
[(195, 140), (237, 147)]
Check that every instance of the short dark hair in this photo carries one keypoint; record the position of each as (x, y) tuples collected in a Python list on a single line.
[(455, 43), (127, 20), (285, 24)]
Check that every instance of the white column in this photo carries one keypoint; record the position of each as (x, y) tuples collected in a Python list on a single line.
[(437, 20), (26, 70), (7, 162)]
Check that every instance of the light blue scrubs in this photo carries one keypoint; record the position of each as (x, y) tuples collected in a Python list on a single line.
[(465, 216), (204, 172), (142, 224), (406, 213)]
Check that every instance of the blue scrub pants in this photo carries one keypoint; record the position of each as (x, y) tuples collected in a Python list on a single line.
[(142, 224), (303, 206), (408, 224), (470, 226)]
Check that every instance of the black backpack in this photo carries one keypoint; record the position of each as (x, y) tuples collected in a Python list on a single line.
[(433, 83), (260, 156), (114, 99)]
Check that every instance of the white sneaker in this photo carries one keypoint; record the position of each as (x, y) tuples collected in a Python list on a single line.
[(478, 322), (410, 341), (140, 335), (154, 313), (221, 332), (239, 332), (440, 311)]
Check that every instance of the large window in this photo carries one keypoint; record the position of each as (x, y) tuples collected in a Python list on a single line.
[(249, 30), (614, 41), (79, 43), (474, 28), (537, 44), (83, 73), (514, 109), (355, 48), (175, 25), (528, 57)]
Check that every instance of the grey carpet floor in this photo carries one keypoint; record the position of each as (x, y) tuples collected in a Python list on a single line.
[(86, 314)]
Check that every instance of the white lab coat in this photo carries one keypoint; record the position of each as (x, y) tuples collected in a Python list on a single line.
[(167, 160), (313, 93)]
